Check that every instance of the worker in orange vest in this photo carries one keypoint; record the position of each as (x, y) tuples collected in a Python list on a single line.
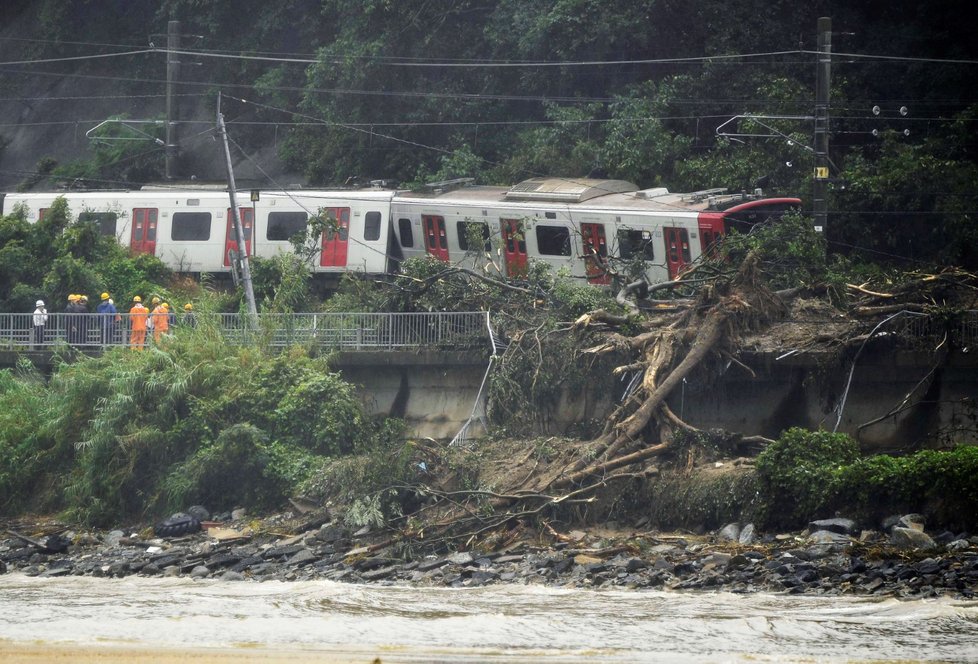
[(161, 320), (137, 317)]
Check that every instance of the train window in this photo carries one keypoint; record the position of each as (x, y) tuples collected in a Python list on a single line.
[(104, 220), (472, 230), (191, 226), (283, 225), (635, 243), (553, 240), (407, 232), (371, 226)]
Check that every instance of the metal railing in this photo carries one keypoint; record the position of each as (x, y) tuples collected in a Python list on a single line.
[(342, 331)]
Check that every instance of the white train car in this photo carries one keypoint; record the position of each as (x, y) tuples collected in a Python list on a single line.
[(191, 230), (579, 226)]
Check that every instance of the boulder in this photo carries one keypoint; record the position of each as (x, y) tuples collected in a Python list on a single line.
[(910, 538), (841, 526), (730, 532)]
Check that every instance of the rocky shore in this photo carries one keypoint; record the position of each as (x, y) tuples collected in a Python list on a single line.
[(830, 557)]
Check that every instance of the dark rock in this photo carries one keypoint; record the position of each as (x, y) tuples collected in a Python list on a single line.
[(55, 571), (283, 551), (635, 564), (331, 533), (222, 560), (427, 565), (512, 558), (483, 577), (303, 557), (199, 512), (841, 526), (377, 561), (378, 573), (739, 562)]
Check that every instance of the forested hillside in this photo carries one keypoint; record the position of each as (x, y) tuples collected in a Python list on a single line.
[(332, 91)]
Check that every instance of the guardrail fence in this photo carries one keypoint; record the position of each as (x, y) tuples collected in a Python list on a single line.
[(346, 331)]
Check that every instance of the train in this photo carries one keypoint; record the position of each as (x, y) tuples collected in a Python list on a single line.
[(582, 227)]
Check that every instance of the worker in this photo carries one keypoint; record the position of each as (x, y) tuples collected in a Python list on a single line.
[(138, 316), (108, 318), (160, 318), (40, 322), (189, 319)]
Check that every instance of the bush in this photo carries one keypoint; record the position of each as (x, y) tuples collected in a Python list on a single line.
[(794, 474), (236, 469), (810, 475), (940, 484)]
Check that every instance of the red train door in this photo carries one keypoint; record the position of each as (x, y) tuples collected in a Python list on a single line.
[(143, 237), (231, 238), (336, 239), (677, 249), (514, 247), (711, 230), (435, 240), (595, 253)]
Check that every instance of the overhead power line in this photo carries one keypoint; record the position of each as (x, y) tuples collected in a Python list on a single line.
[(75, 58)]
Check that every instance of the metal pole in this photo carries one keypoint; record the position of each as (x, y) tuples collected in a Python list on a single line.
[(172, 103), (235, 215), (822, 85)]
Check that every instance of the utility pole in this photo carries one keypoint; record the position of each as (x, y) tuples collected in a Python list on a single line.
[(172, 105), (236, 217), (823, 74)]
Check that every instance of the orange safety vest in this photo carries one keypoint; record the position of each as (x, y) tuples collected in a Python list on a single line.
[(161, 320), (138, 315)]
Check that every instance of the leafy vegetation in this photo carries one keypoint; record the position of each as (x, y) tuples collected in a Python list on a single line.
[(130, 434), (809, 475), (60, 255)]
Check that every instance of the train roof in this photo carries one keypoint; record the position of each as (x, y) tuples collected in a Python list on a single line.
[(585, 193)]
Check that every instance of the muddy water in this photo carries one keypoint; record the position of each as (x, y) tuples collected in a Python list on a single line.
[(502, 624)]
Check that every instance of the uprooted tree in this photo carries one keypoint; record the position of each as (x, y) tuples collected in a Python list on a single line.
[(559, 334)]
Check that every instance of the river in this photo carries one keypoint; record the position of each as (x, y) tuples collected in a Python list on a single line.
[(503, 624)]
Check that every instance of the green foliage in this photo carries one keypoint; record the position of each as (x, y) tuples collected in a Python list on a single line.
[(130, 435), (282, 283), (321, 413), (59, 255), (237, 469), (794, 473), (792, 253), (374, 481), (809, 475), (941, 484)]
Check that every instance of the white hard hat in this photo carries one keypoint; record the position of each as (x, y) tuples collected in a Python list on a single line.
[(39, 303)]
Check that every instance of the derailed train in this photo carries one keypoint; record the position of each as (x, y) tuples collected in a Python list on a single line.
[(576, 224)]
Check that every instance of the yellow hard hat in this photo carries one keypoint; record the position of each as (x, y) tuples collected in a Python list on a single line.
[(105, 296), (156, 300), (165, 305), (72, 297), (137, 299), (188, 306)]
